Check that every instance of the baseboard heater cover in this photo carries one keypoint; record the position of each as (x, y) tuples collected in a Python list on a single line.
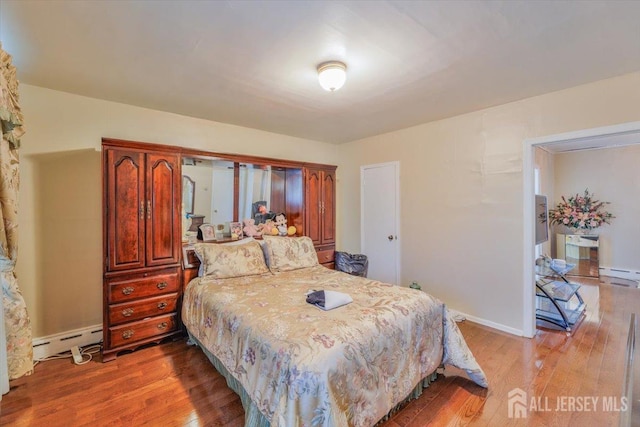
[(620, 273), (50, 345)]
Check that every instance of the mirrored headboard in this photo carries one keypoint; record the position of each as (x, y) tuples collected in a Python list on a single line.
[(233, 188)]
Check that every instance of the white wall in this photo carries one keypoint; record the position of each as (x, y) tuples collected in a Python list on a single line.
[(544, 162), (461, 192), (612, 175), (60, 260), (202, 176)]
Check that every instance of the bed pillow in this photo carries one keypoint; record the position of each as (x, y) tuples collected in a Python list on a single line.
[(290, 253), (222, 261), (263, 246)]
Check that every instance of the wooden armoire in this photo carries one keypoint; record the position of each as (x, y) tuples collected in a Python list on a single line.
[(145, 267), (320, 212), (142, 245)]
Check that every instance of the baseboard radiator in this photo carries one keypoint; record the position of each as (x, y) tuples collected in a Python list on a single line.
[(44, 347), (621, 273), (631, 388)]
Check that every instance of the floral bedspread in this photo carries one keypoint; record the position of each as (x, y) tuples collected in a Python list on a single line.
[(306, 367)]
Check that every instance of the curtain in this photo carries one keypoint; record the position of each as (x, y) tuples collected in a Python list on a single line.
[(16, 350), (265, 187), (246, 192)]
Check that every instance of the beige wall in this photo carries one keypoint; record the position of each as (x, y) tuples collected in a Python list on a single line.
[(462, 192), (612, 175), (60, 259), (203, 181)]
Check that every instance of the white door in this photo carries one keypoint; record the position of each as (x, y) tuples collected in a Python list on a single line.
[(222, 197), (379, 219)]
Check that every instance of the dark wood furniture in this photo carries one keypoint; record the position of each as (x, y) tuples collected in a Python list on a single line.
[(146, 265), (320, 213), (196, 222), (308, 201), (142, 245)]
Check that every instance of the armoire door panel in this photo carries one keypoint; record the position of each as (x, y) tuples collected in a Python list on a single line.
[(328, 210), (162, 213), (125, 232), (312, 202)]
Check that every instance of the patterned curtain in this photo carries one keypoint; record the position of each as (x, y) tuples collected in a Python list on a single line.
[(15, 329)]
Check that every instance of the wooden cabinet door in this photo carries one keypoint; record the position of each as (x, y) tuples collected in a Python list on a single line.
[(320, 190), (162, 209), (327, 208), (313, 196), (125, 197)]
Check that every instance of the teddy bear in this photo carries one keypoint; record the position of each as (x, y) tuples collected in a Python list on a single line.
[(269, 228), (250, 229), (281, 224)]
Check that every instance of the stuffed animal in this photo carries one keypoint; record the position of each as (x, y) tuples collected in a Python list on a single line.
[(281, 223), (268, 226), (250, 229), (291, 230)]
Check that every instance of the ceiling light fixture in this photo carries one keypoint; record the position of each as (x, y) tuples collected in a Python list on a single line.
[(332, 75)]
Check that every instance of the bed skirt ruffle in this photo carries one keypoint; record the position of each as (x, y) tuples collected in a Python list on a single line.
[(255, 418)]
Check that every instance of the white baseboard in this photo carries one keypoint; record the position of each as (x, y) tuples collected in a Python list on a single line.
[(621, 273), (58, 343), (485, 322)]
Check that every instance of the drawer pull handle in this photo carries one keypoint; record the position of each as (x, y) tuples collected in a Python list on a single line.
[(162, 325), (127, 334), (162, 285), (128, 290), (127, 312), (162, 305)]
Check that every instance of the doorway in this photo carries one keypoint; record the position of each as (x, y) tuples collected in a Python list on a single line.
[(603, 137), (379, 219)]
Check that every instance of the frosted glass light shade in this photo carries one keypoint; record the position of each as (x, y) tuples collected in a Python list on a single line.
[(332, 75)]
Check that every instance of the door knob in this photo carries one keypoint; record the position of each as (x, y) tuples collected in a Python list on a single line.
[(390, 237)]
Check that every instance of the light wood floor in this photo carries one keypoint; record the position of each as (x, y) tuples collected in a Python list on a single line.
[(175, 385)]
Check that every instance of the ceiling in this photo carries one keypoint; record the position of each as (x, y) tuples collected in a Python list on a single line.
[(253, 63)]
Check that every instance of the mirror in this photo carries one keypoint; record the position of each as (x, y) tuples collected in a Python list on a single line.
[(212, 188), (188, 194), (227, 191), (542, 226), (582, 250), (255, 192)]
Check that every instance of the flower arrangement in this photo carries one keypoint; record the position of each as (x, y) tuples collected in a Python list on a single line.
[(581, 212)]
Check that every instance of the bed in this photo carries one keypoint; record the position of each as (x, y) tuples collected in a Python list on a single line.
[(296, 365)]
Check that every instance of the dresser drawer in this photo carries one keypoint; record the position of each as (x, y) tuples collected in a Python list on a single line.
[(140, 287), (142, 329), (326, 256), (135, 310)]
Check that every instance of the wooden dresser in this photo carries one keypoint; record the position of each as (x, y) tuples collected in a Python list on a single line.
[(142, 245)]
